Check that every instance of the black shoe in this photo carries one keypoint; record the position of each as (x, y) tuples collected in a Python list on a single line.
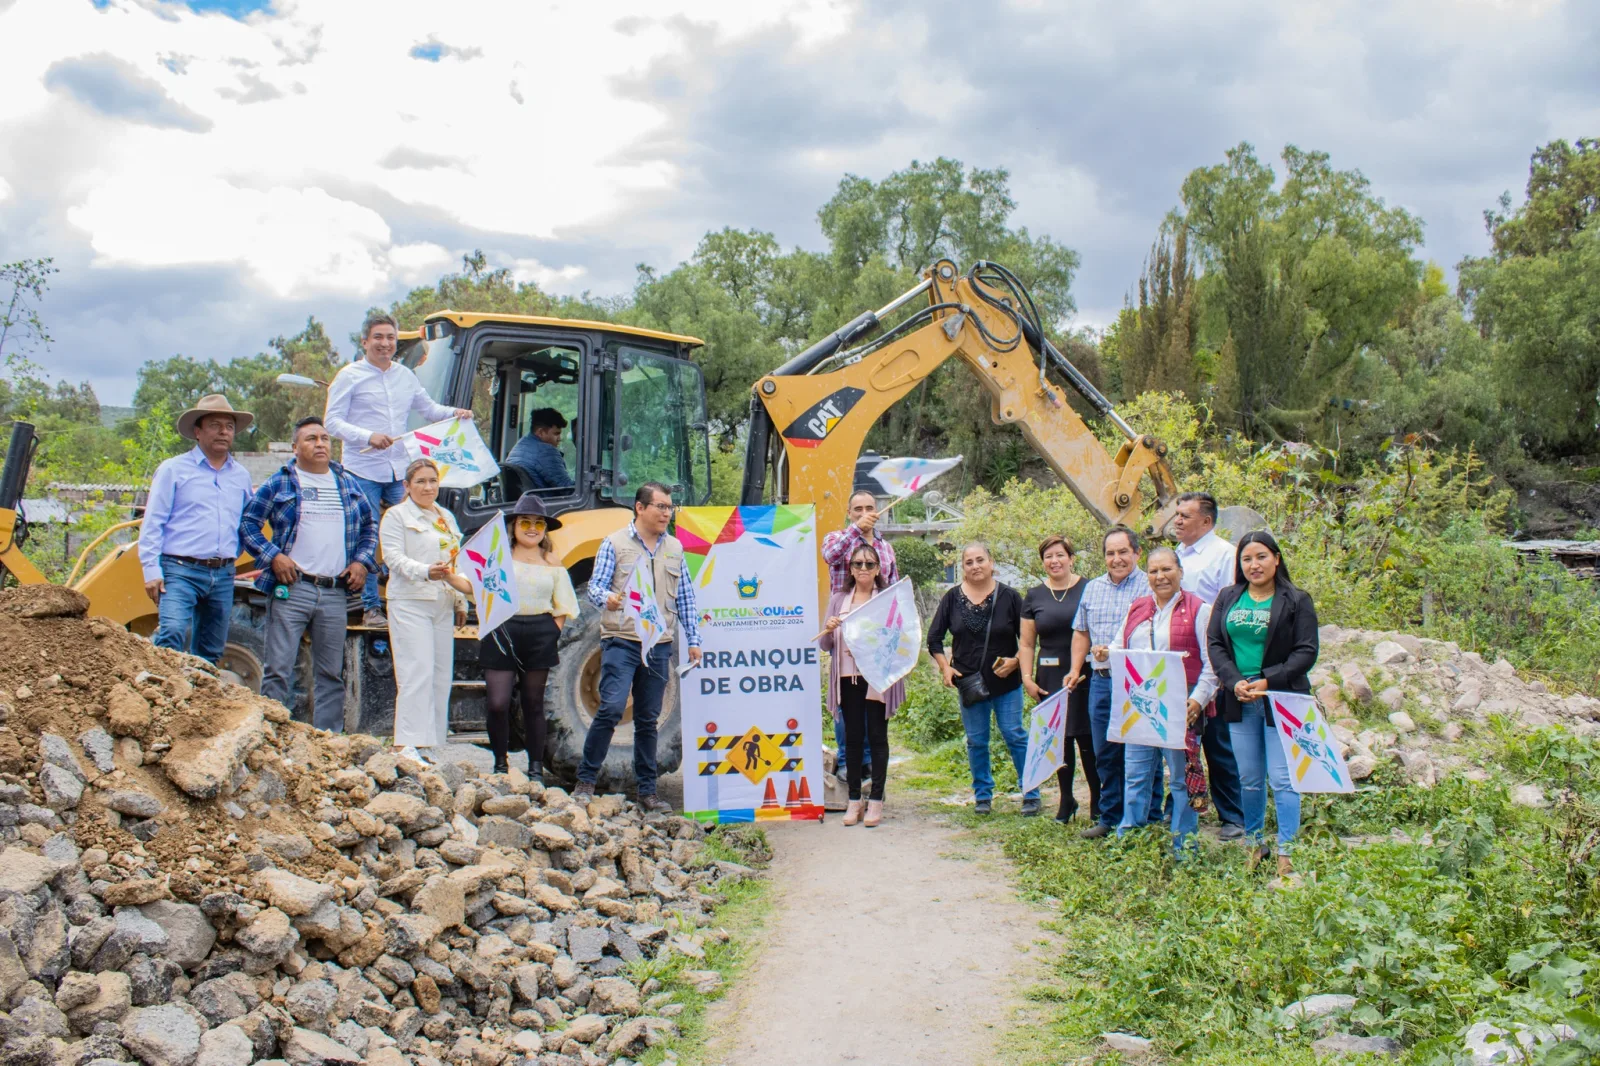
[(983, 807), (1030, 807), (536, 771), (1066, 814), (501, 766), (1095, 832), (655, 804)]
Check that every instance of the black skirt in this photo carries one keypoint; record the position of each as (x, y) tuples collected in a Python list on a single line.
[(1050, 678), (524, 642)]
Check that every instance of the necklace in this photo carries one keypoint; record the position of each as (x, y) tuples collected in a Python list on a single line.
[(1063, 597)]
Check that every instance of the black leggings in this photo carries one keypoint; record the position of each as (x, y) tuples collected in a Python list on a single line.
[(865, 722), (1069, 805), (499, 682)]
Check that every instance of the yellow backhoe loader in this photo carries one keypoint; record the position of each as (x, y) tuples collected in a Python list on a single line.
[(635, 403)]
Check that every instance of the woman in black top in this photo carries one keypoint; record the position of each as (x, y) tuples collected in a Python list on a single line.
[(1047, 613), (984, 619)]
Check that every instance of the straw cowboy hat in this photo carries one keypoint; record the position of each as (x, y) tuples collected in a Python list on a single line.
[(214, 404)]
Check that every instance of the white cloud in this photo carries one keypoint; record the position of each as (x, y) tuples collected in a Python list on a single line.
[(551, 279)]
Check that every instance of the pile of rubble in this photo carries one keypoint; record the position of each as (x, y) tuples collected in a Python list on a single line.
[(191, 879), (1419, 703)]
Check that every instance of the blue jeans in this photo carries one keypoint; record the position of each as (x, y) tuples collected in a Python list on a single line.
[(1007, 711), (1222, 770), (1261, 760), (623, 670), (1142, 767), (838, 740), (1108, 757), (193, 612), (379, 494)]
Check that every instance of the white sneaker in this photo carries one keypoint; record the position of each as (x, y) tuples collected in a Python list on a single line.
[(410, 752)]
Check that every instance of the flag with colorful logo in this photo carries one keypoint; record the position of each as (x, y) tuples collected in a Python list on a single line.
[(885, 635), (1047, 741), (902, 477), (1149, 699), (457, 448), (489, 569), (1315, 764), (640, 606)]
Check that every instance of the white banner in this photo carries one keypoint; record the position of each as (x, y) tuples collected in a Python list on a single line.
[(1149, 699), (639, 604), (489, 569), (1315, 764), (457, 449), (752, 712), (885, 635), (1047, 741)]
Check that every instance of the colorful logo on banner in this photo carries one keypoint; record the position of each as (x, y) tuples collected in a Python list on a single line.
[(749, 587), (1315, 764), (456, 447), (885, 635), (700, 529), (1149, 699), (639, 604), (1047, 741), (902, 477), (494, 586)]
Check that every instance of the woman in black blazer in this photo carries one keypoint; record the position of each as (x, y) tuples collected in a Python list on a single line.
[(1263, 636)]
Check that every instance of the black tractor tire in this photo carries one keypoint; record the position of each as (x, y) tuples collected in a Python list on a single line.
[(572, 696)]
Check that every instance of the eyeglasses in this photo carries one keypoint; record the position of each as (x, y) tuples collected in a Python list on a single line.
[(863, 564), (531, 523), (664, 508)]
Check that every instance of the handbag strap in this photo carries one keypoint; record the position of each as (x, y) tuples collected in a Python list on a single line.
[(983, 656)]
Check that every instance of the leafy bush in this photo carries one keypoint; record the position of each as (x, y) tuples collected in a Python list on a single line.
[(918, 560), (930, 716)]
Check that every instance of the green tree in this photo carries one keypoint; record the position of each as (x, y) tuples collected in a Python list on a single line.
[(1563, 195), (22, 330), (1306, 275), (1159, 353)]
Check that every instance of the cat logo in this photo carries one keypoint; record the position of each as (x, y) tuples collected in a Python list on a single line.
[(818, 420), (749, 587)]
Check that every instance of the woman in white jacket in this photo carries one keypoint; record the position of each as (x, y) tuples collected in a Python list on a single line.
[(426, 602)]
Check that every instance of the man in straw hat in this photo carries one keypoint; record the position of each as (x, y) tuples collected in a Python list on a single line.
[(190, 538)]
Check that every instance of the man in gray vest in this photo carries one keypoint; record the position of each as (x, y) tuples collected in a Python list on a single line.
[(645, 542)]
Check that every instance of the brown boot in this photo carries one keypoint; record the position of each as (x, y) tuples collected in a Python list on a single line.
[(1285, 868), (1256, 855), (852, 813), (874, 814)]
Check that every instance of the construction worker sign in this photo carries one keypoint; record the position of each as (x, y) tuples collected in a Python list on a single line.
[(752, 710)]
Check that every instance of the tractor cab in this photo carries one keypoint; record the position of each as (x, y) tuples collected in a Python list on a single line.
[(630, 404)]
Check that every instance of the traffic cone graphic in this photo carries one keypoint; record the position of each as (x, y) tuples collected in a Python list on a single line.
[(793, 799), (771, 798), (805, 792)]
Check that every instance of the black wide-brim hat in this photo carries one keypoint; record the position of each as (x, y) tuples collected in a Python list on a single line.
[(532, 506)]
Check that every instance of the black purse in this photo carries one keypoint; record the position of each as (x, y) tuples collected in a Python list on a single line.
[(971, 687)]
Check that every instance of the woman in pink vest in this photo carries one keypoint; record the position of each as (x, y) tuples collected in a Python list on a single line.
[(1168, 620)]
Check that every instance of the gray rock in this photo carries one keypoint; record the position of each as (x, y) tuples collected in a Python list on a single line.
[(152, 979), (33, 814), (1388, 652), (1529, 796), (269, 935), (62, 788), (113, 996), (1361, 767), (88, 939), (166, 1035), (1355, 682), (614, 995), (23, 873), (1402, 722), (291, 846), (397, 970), (218, 1000), (504, 833), (61, 848), (307, 1048), (57, 752), (293, 894), (586, 944), (133, 803), (1393, 697), (190, 934), (309, 1002), (37, 1016), (101, 749), (1132, 1047), (1341, 1045), (147, 936), (226, 1045)]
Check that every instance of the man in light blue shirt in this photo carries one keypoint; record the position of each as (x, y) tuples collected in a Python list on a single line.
[(189, 541), (538, 455)]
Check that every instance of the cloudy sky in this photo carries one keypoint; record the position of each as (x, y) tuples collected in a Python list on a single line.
[(208, 174)]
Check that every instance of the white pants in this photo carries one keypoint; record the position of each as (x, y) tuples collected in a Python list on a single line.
[(422, 641)]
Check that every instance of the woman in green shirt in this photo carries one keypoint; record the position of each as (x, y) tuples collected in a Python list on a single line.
[(1263, 637)]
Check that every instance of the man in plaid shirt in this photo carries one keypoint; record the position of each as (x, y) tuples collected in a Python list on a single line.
[(324, 541), (837, 546)]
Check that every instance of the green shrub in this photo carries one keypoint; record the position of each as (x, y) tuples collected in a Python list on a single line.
[(918, 560), (931, 715)]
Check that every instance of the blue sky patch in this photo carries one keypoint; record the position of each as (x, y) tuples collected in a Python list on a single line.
[(233, 8), (432, 51)]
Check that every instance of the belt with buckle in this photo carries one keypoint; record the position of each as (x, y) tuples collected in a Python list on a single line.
[(1102, 673), (210, 564), (320, 582)]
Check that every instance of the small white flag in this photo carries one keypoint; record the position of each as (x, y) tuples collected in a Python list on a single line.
[(639, 604), (1149, 699), (1047, 741), (489, 569), (902, 477), (457, 449), (1309, 747), (884, 635)]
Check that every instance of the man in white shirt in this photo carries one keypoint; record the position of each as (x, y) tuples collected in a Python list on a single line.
[(368, 402), (1208, 568)]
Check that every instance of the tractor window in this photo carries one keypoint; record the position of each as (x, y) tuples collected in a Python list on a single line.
[(526, 402), (661, 433)]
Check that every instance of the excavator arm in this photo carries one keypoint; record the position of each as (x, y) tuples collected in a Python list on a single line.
[(810, 416)]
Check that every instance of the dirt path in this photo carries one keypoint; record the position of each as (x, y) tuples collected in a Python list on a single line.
[(900, 944)]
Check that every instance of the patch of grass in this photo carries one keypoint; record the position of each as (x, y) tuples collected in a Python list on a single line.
[(744, 915), (1486, 911)]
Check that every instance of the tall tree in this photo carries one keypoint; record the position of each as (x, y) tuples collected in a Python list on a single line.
[(1159, 352)]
